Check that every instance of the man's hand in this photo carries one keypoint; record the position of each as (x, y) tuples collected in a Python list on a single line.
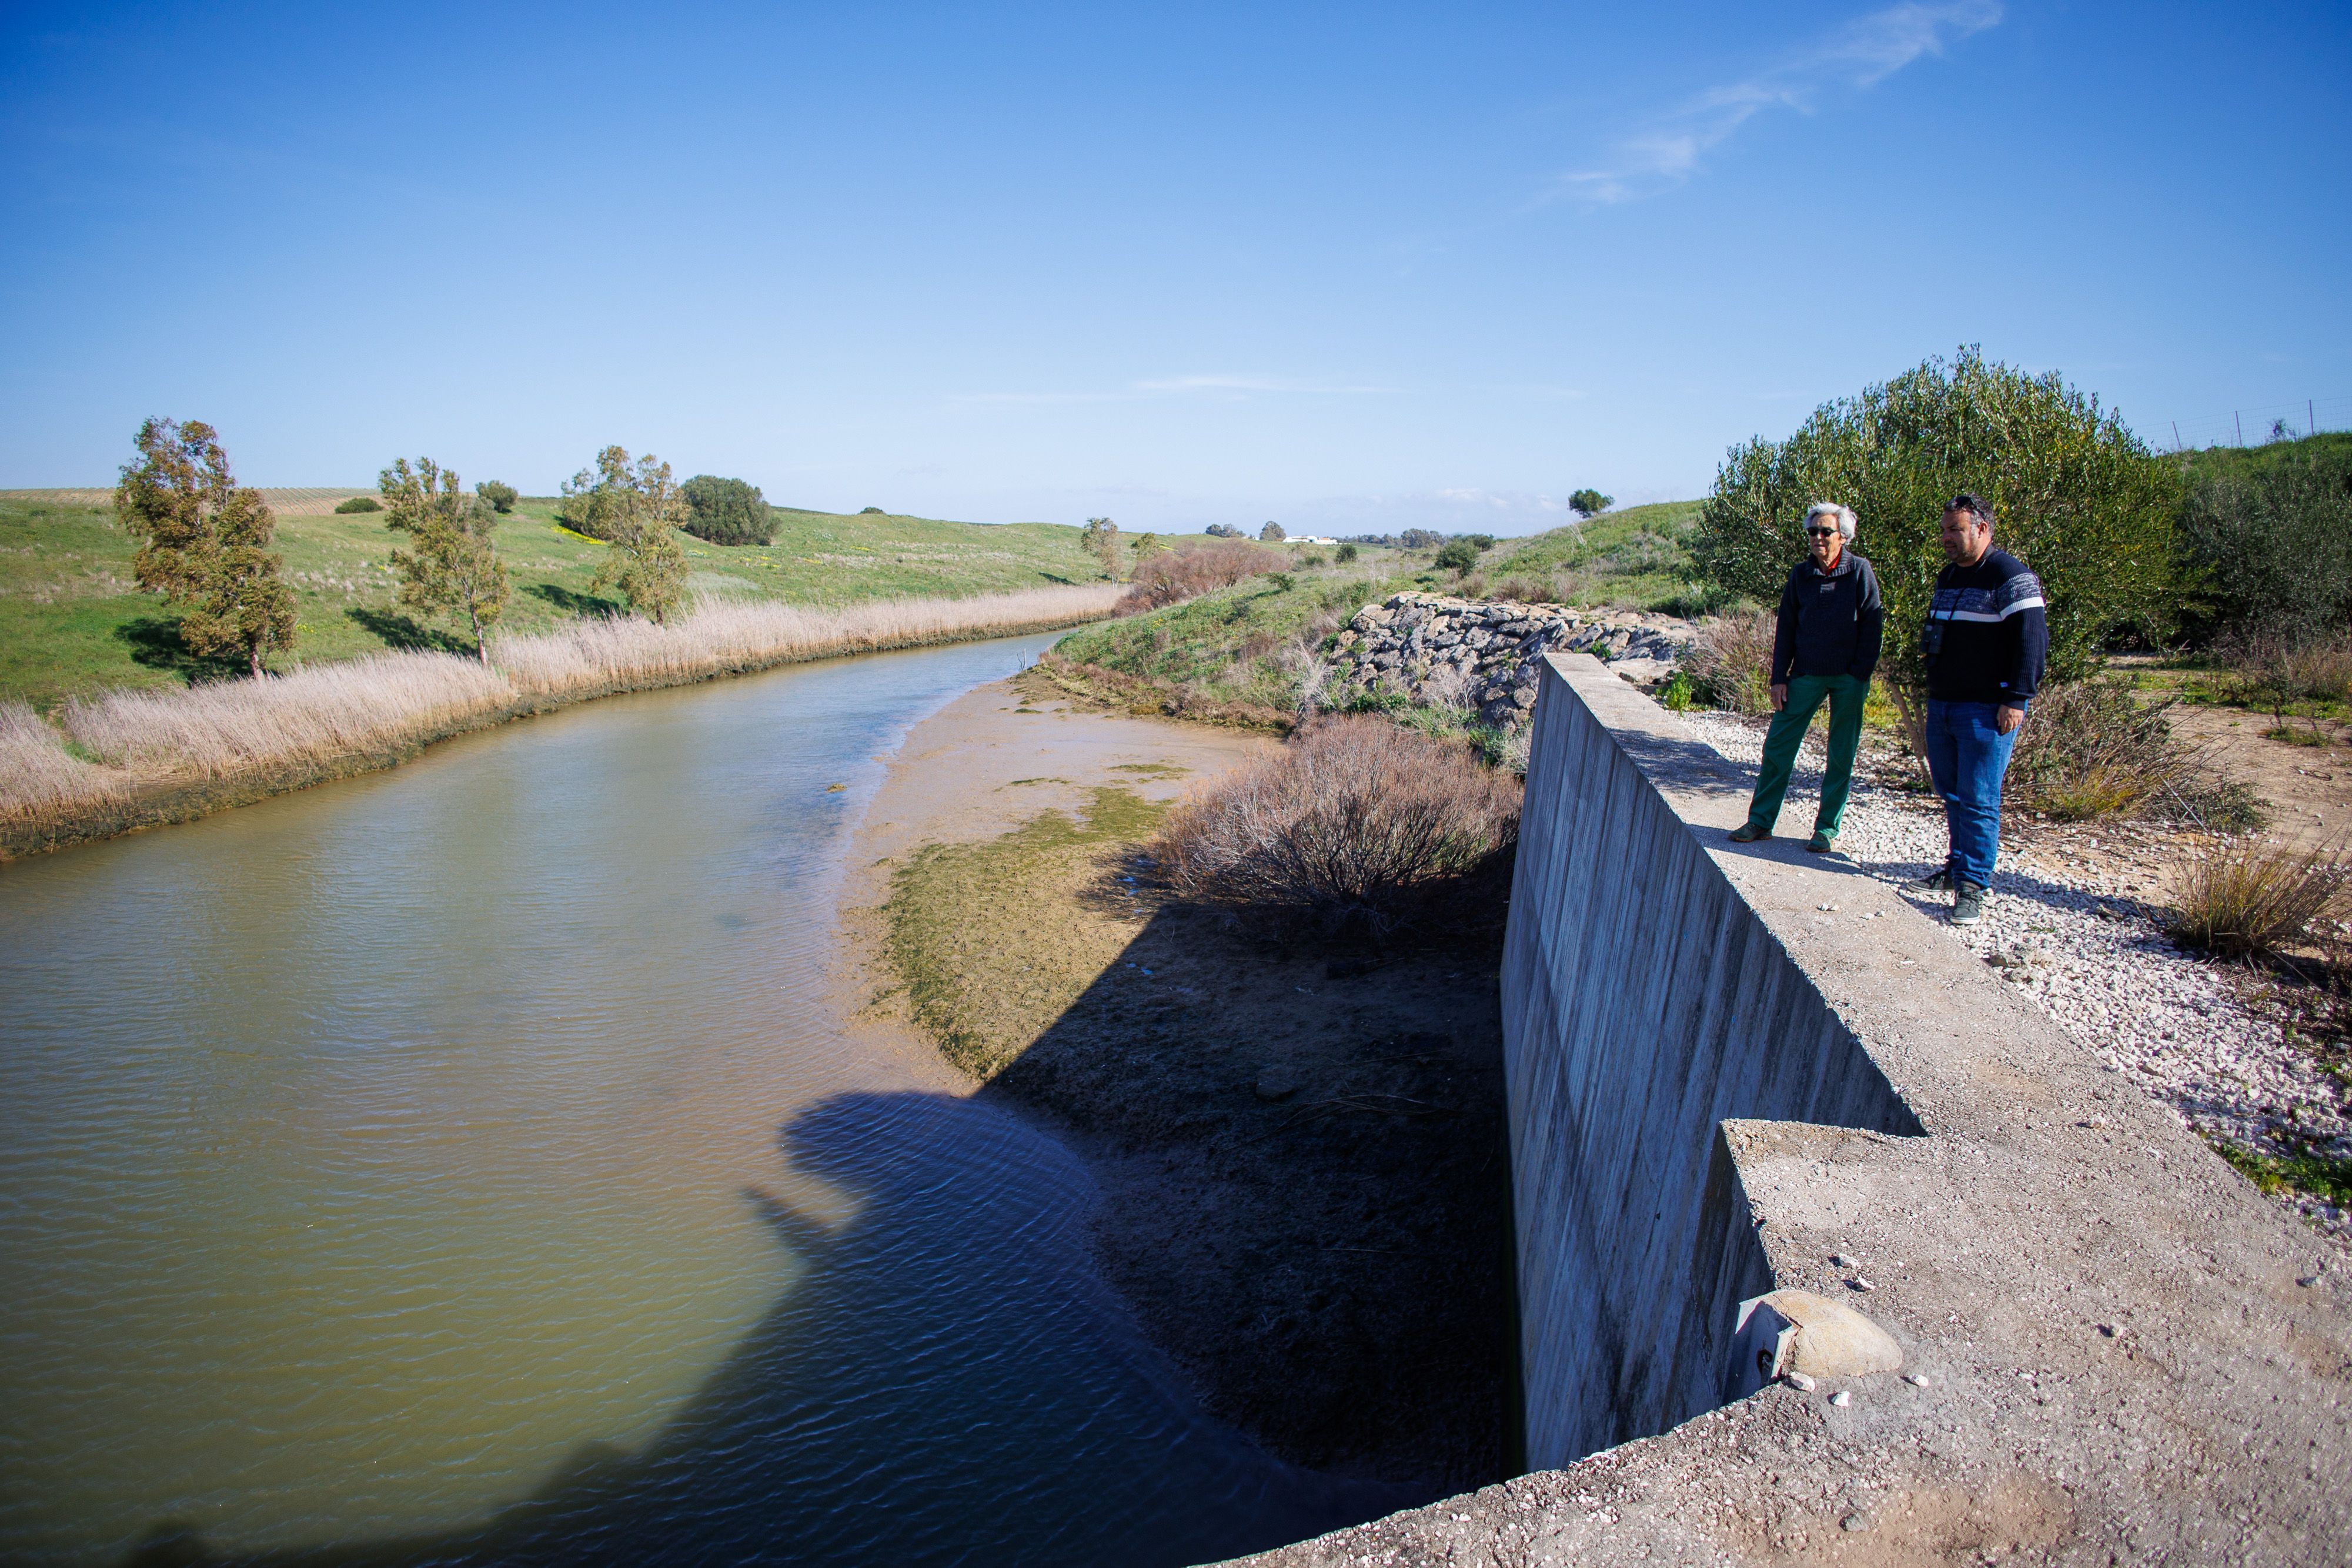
[(1780, 700), (2006, 719)]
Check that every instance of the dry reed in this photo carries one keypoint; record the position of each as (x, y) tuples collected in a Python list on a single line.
[(1730, 664), (38, 773), (269, 727), (1356, 821)]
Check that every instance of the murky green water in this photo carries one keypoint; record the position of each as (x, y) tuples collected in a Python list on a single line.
[(462, 1163)]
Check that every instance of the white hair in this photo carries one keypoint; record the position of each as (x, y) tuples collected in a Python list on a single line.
[(1844, 516)]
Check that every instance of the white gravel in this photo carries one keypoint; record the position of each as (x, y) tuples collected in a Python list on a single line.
[(2067, 924)]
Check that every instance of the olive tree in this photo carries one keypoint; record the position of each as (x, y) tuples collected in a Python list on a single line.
[(454, 570), (203, 544), (2079, 498), (637, 510), (1271, 534), (1590, 503), (502, 497)]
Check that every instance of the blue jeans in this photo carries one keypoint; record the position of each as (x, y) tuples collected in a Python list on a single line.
[(1967, 755)]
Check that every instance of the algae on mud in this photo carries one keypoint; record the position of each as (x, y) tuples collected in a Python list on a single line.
[(992, 939)]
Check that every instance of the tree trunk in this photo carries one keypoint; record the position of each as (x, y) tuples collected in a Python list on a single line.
[(481, 649), (1912, 710)]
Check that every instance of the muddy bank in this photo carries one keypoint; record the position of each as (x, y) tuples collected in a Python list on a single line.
[(1301, 1152)]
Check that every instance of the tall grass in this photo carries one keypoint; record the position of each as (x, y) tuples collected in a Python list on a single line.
[(2094, 749), (1355, 822), (38, 773), (2244, 898), (319, 714)]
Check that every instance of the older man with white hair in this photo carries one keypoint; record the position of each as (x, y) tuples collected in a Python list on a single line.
[(1824, 649)]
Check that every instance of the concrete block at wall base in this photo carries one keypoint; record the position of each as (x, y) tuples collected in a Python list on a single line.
[(1725, 1082)]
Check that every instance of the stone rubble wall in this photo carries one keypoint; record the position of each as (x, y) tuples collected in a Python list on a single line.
[(1488, 654)]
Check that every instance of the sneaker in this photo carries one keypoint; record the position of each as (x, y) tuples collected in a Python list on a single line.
[(1937, 880), (1967, 904), (1822, 844), (1748, 832)]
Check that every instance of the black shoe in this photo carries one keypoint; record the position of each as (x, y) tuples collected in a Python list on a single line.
[(1967, 904), (1748, 832), (1937, 881)]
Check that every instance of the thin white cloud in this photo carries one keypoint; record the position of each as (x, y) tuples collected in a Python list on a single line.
[(1862, 54)]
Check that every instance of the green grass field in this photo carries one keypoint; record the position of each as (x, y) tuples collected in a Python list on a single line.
[(72, 621), (1636, 559)]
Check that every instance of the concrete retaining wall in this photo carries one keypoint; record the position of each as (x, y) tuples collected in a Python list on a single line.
[(1732, 1068), (1645, 1005)]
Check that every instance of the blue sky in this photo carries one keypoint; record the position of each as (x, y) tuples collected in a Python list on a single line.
[(1350, 267)]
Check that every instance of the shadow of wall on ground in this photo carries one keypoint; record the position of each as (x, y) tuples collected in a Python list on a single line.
[(1306, 1178), (950, 1380)]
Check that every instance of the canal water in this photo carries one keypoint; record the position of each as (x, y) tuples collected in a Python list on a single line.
[(466, 1164)]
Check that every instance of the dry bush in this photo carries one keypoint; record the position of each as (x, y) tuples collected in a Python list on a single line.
[(2092, 749), (1524, 590), (36, 771), (1355, 822), (2244, 897), (315, 714), (1193, 569), (2285, 668), (1730, 661)]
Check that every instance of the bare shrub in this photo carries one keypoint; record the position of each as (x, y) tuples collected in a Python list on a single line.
[(1524, 590), (2274, 668), (36, 771), (2094, 749), (1356, 821), (2244, 897), (1193, 569), (1730, 663)]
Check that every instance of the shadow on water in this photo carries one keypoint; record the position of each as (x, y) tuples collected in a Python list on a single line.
[(948, 1382)]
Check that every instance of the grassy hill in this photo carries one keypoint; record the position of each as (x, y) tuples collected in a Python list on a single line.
[(1636, 558), (72, 621)]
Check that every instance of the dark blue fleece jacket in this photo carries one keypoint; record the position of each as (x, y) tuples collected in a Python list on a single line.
[(1831, 621)]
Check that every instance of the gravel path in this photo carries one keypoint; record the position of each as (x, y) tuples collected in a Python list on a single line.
[(2067, 922)]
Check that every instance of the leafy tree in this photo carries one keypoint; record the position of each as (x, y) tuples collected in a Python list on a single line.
[(1590, 503), (638, 508), (1478, 541), (2078, 498), (872, 512), (1344, 554), (454, 570), (2273, 546), (201, 543), (502, 497), (358, 504), (727, 511), (1420, 539), (1145, 545), (1457, 555), (1099, 539), (1271, 534), (1222, 531)]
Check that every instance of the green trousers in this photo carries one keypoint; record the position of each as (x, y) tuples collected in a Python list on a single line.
[(1806, 693)]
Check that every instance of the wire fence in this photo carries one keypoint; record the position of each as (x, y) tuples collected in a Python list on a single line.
[(2254, 426)]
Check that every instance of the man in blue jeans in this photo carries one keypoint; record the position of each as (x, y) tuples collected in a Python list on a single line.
[(1985, 642)]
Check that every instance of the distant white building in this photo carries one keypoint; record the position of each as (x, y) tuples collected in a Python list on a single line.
[(1311, 539)]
